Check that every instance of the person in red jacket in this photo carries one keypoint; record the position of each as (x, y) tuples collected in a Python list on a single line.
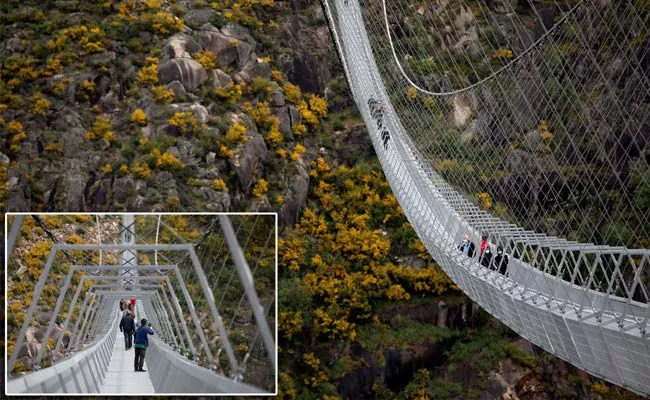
[(485, 251)]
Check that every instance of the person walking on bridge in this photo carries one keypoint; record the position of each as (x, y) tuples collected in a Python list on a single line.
[(467, 246), (141, 344), (485, 251), (127, 326)]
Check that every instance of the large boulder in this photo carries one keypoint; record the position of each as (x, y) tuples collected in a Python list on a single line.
[(215, 201), (123, 188), (230, 51), (219, 78), (258, 68), (248, 164), (187, 71), (299, 187), (288, 116), (186, 152), (178, 89), (180, 46)]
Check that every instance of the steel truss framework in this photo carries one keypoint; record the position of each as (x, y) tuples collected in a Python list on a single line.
[(557, 293), (151, 284)]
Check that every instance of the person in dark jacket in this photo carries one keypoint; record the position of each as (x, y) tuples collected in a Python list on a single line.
[(467, 247), (141, 344), (127, 326), (501, 261)]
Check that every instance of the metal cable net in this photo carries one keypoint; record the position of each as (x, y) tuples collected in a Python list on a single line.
[(528, 125), (183, 275)]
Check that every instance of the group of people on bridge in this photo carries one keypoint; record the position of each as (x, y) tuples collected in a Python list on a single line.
[(377, 111), (139, 333), (497, 263)]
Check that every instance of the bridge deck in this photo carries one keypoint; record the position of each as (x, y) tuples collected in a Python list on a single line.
[(120, 377)]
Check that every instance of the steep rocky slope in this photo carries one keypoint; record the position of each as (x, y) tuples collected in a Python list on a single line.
[(161, 105)]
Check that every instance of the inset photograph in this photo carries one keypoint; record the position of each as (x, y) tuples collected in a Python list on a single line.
[(137, 304)]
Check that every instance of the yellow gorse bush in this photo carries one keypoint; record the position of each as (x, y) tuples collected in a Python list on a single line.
[(39, 105), (148, 75), (232, 92), (162, 95), (207, 59), (292, 93), (139, 117), (218, 184), (236, 134), (167, 161), (186, 122), (341, 255), (101, 128), (260, 188)]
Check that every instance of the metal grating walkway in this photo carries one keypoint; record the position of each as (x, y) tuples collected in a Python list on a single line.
[(120, 377)]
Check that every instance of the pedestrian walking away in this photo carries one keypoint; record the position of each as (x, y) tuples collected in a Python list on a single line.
[(141, 344), (127, 326)]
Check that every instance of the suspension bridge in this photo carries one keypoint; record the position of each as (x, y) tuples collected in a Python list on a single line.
[(205, 283), (526, 123)]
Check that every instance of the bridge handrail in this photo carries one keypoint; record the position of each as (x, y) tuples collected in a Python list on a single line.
[(171, 373), (83, 372)]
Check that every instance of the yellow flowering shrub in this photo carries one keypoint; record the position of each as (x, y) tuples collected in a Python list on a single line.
[(139, 117), (306, 114), (298, 150), (411, 93), (148, 75), (161, 23), (16, 133), (260, 85), (485, 200), (101, 128), (318, 106), (429, 102), (207, 59), (186, 122), (236, 134), (260, 188), (166, 161), (277, 76), (322, 165), (342, 257), (218, 184), (292, 93), (162, 95), (39, 105), (225, 151), (299, 129), (232, 92), (502, 54)]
